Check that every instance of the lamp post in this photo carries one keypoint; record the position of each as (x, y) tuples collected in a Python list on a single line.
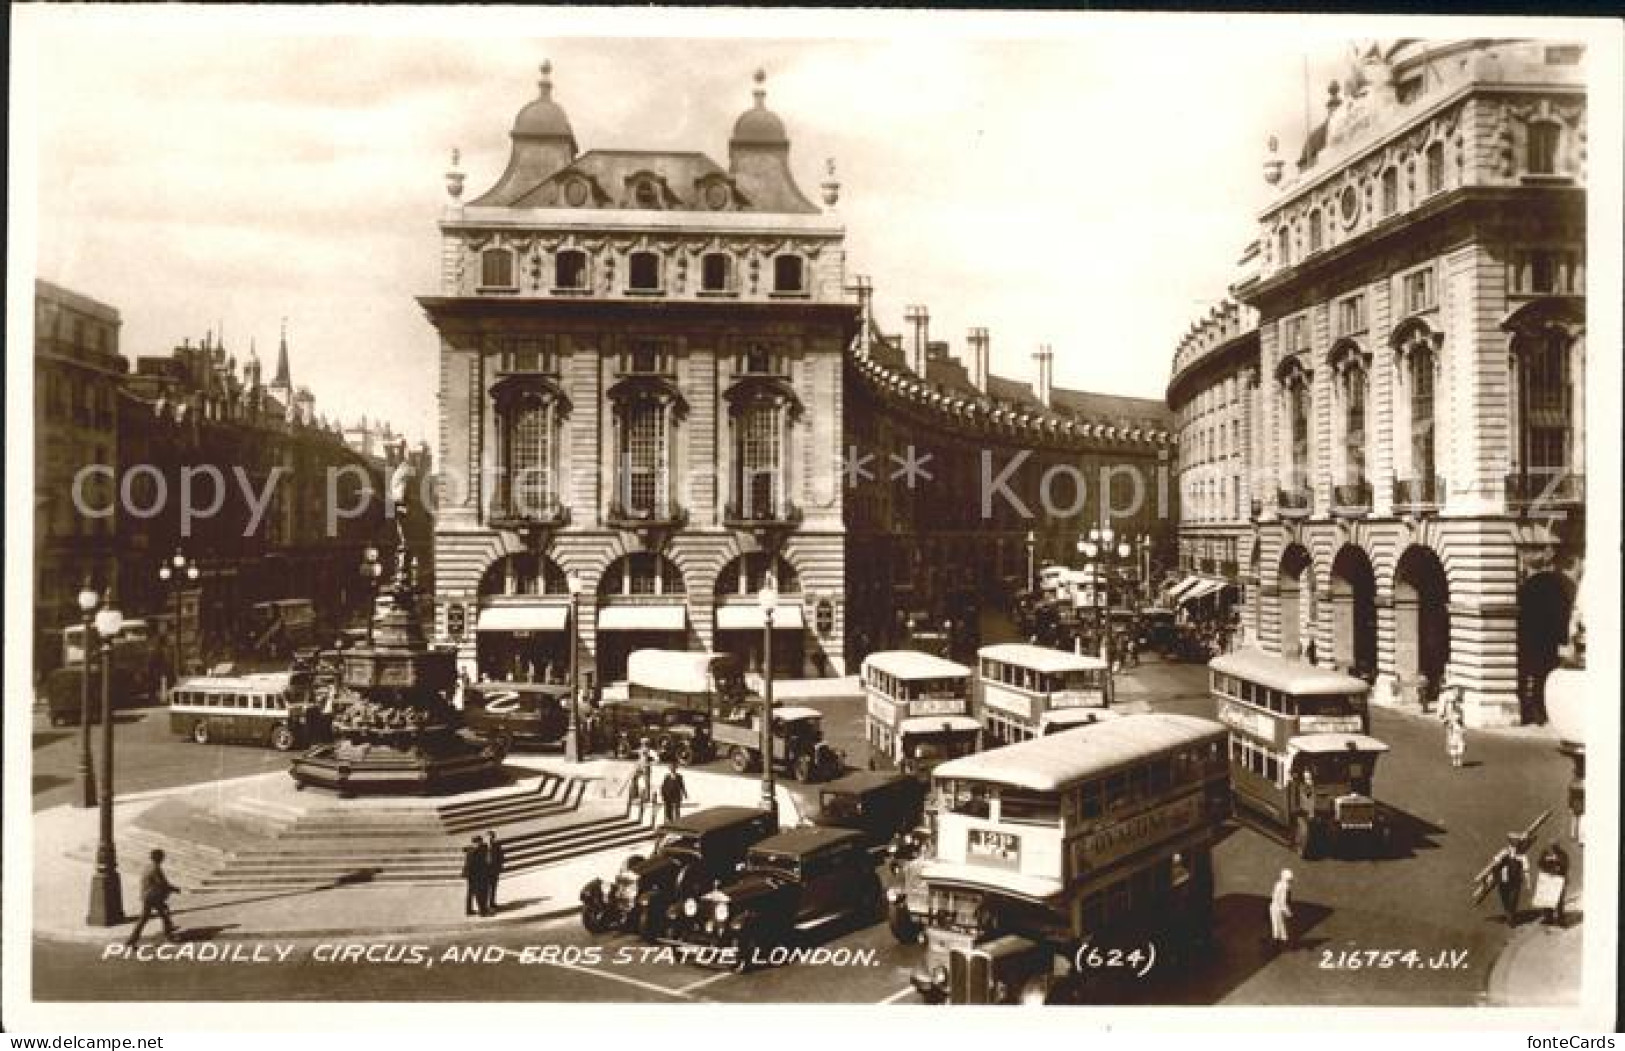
[(106, 892), (173, 572), (1097, 547), (88, 600), (572, 735), (1145, 570), (371, 569), (768, 598), (1032, 560)]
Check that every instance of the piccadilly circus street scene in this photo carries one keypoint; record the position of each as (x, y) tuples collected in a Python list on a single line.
[(1067, 511)]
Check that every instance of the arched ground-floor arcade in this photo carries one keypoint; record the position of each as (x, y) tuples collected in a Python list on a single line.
[(1419, 606)]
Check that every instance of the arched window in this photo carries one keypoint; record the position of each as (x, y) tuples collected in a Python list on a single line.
[(643, 573), (1390, 191), (758, 459), (1421, 365), (1435, 167), (1295, 389), (643, 439), (1541, 157), (1316, 233), (716, 273), (643, 272), (1354, 439), (789, 274), (1283, 246), (496, 268), (570, 270)]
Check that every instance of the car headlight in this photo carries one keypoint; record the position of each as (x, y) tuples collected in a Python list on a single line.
[(721, 912), (691, 908)]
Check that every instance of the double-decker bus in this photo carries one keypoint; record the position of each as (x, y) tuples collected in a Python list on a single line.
[(1029, 691), (267, 708), (918, 711), (1058, 850), (1301, 753)]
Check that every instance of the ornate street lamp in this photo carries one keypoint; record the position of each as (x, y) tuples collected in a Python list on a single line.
[(371, 570), (106, 893), (88, 600), (1032, 560), (768, 599), (174, 572), (572, 735)]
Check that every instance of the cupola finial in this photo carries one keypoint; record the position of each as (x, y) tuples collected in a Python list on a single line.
[(761, 91), (546, 83)]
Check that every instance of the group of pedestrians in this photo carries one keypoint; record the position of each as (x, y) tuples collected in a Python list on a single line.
[(483, 862), (641, 790)]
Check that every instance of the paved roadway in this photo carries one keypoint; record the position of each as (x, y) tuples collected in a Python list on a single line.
[(1449, 821)]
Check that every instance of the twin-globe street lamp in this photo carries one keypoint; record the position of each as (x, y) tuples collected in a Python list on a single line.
[(88, 601), (1097, 551), (106, 893), (173, 572), (768, 599)]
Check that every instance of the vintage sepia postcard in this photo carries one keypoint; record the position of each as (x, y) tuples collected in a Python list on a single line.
[(539, 507)]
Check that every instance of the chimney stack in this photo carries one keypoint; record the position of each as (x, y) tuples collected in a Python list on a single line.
[(920, 318), (977, 338), (865, 291), (1045, 357)]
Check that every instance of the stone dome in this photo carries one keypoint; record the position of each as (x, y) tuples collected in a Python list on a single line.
[(759, 126), (543, 118)]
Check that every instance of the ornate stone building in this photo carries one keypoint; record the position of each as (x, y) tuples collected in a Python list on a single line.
[(1421, 322), (1214, 398), (640, 389)]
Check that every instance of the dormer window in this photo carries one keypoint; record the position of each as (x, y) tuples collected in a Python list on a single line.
[(570, 271), (643, 272), (646, 195), (789, 274), (577, 193), (716, 273), (1542, 152), (497, 269), (717, 197)]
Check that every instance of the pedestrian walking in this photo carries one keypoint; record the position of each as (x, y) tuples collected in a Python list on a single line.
[(1455, 741), (672, 794), (1281, 912), (1551, 886), (494, 859), (155, 893), (476, 871), (642, 787), (1309, 651), (1510, 871)]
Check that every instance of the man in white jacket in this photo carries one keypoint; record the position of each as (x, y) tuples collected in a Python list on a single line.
[(1281, 911)]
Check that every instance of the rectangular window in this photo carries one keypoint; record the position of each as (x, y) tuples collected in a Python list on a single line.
[(1422, 438), (496, 268), (1435, 168), (1351, 315), (1419, 292), (1543, 138), (1354, 426)]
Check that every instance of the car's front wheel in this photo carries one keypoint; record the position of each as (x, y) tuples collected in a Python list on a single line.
[(739, 759), (594, 918), (904, 927), (652, 920), (282, 738), (802, 768), (200, 731)]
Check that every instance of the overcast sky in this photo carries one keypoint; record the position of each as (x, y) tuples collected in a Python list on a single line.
[(1082, 181)]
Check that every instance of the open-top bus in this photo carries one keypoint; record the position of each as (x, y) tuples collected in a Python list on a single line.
[(268, 708), (1062, 846), (918, 711), (1029, 691), (1301, 752)]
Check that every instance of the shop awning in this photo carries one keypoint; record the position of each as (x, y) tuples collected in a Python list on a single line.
[(671, 616), (523, 618), (1202, 589), (751, 618), (1178, 591)]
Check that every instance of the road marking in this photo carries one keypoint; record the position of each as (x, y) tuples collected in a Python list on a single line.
[(703, 982), (898, 995), (612, 976)]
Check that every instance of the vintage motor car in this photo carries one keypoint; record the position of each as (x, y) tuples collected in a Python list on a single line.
[(693, 855), (881, 806), (798, 738), (517, 713), (675, 731), (791, 885)]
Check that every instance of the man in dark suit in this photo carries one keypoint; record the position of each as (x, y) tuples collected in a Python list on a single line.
[(476, 876), (494, 858), (155, 892)]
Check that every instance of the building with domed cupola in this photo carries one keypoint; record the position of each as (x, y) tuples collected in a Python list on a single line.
[(658, 382), (641, 371), (1407, 494)]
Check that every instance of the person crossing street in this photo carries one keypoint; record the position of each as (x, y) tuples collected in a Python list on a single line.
[(494, 858), (1281, 912), (155, 893), (672, 794)]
